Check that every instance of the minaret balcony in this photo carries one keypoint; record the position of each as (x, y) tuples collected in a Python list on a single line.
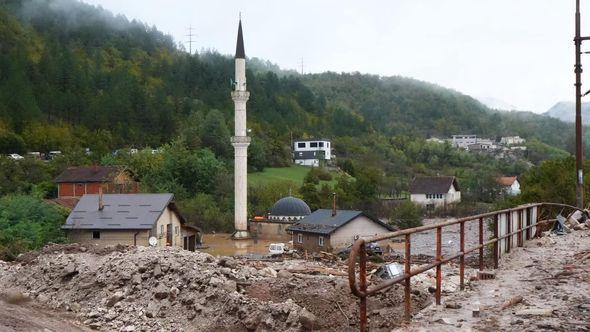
[(240, 95), (240, 140)]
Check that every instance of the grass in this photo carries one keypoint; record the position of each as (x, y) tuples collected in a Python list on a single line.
[(294, 173)]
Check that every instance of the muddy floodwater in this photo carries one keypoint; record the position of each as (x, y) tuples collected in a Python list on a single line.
[(221, 244)]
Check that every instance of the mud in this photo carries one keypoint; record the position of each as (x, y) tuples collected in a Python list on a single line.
[(542, 286)]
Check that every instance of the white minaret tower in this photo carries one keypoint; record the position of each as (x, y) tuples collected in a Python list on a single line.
[(240, 141)]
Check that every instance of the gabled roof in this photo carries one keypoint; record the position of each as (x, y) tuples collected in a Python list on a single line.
[(433, 184), (506, 181), (121, 211), (322, 222), (89, 174)]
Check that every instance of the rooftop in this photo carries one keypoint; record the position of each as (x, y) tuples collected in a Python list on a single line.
[(89, 174), (433, 184), (323, 222)]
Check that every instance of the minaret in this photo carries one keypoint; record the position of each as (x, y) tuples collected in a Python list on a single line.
[(240, 141)]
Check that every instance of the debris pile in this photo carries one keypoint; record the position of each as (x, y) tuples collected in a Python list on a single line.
[(169, 289)]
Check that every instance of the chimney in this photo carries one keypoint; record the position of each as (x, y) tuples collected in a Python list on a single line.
[(100, 201), (333, 204)]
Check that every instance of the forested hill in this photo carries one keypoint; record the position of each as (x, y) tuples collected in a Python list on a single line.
[(73, 75)]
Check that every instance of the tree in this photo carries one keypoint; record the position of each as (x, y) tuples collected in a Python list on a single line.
[(215, 134), (406, 215), (28, 223)]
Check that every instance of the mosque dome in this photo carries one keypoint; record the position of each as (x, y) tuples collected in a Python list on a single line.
[(289, 207)]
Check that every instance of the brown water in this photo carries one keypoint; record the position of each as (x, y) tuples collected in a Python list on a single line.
[(221, 244)]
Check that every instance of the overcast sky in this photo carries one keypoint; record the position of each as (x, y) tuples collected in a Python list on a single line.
[(517, 51)]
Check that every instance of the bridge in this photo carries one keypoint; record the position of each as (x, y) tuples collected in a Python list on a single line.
[(511, 228)]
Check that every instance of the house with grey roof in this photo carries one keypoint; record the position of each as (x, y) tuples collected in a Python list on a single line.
[(435, 191), (130, 219), (328, 230)]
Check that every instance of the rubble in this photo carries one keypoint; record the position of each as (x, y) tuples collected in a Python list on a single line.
[(169, 289)]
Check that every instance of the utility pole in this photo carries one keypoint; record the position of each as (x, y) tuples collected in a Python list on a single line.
[(190, 39), (301, 65), (579, 152)]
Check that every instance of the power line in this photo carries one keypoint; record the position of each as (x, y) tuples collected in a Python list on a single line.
[(190, 39)]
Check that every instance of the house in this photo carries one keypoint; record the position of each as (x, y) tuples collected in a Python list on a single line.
[(130, 219), (435, 191), (509, 184), (328, 230), (311, 152), (75, 182), (512, 140), (463, 141)]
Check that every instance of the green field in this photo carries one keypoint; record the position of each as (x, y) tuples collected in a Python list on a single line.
[(294, 174)]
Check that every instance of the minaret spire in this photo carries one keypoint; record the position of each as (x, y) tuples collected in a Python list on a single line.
[(240, 54)]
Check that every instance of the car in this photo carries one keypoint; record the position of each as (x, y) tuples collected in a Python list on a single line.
[(278, 248), (389, 271), (15, 156), (372, 250)]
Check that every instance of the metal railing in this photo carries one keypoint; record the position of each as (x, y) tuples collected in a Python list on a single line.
[(510, 227)]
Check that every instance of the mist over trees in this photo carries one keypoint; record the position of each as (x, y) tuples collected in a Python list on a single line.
[(73, 76)]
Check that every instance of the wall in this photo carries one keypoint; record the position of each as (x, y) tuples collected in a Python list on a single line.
[(361, 226), (308, 162), (110, 237), (270, 231), (168, 217), (311, 242)]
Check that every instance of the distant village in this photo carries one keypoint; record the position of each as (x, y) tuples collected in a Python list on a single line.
[(504, 147)]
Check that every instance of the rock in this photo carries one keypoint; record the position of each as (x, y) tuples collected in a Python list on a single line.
[(534, 312), (452, 305), (157, 271), (587, 223), (268, 272), (15, 296), (174, 291), (93, 314), (128, 328), (444, 320), (284, 274), (118, 296), (75, 307), (307, 319), (95, 325), (230, 286), (136, 279), (41, 298), (152, 310), (228, 262), (579, 227), (252, 321), (161, 292)]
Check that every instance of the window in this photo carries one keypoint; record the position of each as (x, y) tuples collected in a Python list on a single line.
[(300, 238), (161, 230), (321, 144), (301, 145), (327, 144), (321, 241), (313, 144), (176, 230), (96, 235)]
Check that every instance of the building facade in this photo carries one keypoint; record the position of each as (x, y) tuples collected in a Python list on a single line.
[(509, 184), (130, 219), (331, 230), (435, 191), (312, 152), (75, 182), (463, 141)]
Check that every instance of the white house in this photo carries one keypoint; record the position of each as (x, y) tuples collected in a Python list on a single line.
[(435, 191), (512, 140), (509, 184), (463, 141), (311, 152)]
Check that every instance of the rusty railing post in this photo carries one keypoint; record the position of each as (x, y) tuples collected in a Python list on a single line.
[(509, 230), (497, 243), (363, 286), (408, 290), (462, 258), (529, 216), (481, 243), (439, 265), (520, 239)]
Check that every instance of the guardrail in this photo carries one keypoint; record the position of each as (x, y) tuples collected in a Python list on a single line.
[(510, 227)]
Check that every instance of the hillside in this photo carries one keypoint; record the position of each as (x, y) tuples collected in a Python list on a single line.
[(566, 111), (74, 76)]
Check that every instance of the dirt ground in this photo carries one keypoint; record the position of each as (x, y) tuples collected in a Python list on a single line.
[(542, 286), (32, 317)]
